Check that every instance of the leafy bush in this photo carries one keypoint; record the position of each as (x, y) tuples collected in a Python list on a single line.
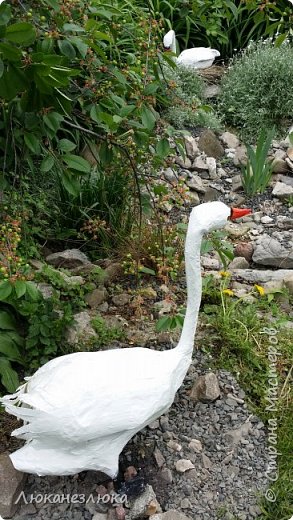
[(78, 76), (257, 90), (187, 107)]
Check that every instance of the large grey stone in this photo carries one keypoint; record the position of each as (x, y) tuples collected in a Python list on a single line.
[(195, 183), (258, 276), (240, 156), (210, 144), (96, 297), (11, 486), (69, 258), (206, 388), (273, 251), (282, 190), (230, 140)]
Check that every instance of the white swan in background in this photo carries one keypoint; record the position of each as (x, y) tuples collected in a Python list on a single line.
[(195, 58), (81, 409)]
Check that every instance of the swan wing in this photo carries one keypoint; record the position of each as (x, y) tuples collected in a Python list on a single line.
[(197, 54), (86, 396)]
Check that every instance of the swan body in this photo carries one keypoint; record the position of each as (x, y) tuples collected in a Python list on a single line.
[(81, 409), (195, 58)]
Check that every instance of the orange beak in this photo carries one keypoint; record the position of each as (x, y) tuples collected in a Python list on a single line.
[(239, 212)]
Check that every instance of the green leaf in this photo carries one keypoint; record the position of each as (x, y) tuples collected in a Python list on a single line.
[(80, 45), (71, 184), (72, 27), (20, 288), (21, 32), (146, 270), (32, 291), (148, 118), (5, 14), (75, 162), (9, 52), (13, 82), (66, 49), (9, 348), (1, 68), (151, 88), (47, 163), (7, 321), (53, 120), (5, 291), (163, 323), (163, 148), (9, 377), (32, 142), (65, 145)]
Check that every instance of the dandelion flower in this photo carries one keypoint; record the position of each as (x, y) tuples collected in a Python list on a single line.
[(260, 290), (224, 274), (228, 292)]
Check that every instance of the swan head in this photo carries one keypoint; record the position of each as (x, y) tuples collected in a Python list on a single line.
[(168, 39), (214, 215)]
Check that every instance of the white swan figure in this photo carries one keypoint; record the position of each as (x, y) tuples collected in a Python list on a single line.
[(195, 58), (80, 410)]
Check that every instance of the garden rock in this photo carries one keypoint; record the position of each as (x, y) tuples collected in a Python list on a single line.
[(212, 91), (206, 388), (289, 283), (82, 329), (121, 299), (210, 144), (201, 166), (183, 465), (236, 183), (245, 250), (253, 276), (240, 156), (170, 175), (284, 222), (183, 163), (279, 165), (212, 166), (96, 297), (46, 290), (211, 194), (284, 178), (113, 272), (11, 485), (195, 183), (239, 262), (170, 515), (144, 505), (275, 250), (230, 140), (70, 258), (282, 190), (191, 147)]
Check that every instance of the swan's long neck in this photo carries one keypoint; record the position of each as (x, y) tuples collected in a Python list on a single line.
[(194, 289)]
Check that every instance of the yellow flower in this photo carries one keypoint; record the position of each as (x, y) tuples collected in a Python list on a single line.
[(228, 292), (260, 290), (224, 274)]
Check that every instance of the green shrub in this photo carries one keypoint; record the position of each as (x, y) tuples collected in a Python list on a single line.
[(74, 75), (187, 107), (257, 90)]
